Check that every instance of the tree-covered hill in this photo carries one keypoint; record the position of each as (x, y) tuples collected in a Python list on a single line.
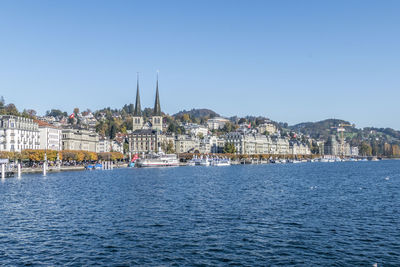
[(322, 129), (198, 113)]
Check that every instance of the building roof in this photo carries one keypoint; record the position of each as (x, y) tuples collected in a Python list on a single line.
[(144, 131), (44, 124)]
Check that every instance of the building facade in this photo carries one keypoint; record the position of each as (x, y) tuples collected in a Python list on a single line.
[(80, 139), (216, 123), (298, 148), (336, 148), (144, 141), (50, 136), (267, 128), (18, 133), (187, 144), (104, 145), (195, 129), (253, 143)]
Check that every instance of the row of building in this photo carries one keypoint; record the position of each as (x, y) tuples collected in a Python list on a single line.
[(148, 136), (19, 133)]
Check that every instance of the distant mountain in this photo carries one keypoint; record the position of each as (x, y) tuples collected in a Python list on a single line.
[(321, 129), (198, 113)]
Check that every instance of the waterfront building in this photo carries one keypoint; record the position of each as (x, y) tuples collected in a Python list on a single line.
[(144, 141), (50, 136), (211, 144), (187, 144), (217, 144), (18, 133), (244, 143), (354, 151), (216, 123), (331, 146), (253, 143), (80, 139), (279, 145), (104, 145), (248, 143), (117, 146), (336, 148), (298, 148)]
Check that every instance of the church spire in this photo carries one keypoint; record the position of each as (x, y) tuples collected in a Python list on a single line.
[(138, 108), (157, 107)]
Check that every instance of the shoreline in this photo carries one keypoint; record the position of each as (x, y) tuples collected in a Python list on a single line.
[(82, 168)]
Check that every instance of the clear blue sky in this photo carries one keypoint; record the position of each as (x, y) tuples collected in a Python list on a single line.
[(292, 61)]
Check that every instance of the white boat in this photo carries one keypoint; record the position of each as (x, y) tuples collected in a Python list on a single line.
[(204, 162), (191, 163), (158, 160), (221, 162)]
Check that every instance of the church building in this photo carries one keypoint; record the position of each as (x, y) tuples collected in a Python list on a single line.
[(146, 133)]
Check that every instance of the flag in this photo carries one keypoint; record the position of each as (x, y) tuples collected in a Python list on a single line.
[(135, 157), (249, 125), (72, 116)]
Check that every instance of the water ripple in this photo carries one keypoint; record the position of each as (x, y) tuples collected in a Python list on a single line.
[(339, 214)]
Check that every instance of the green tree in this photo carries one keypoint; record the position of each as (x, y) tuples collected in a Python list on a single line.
[(56, 113), (2, 102), (11, 109), (365, 149), (242, 120), (113, 131), (186, 118), (229, 148)]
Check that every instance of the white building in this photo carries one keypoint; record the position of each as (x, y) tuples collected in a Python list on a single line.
[(211, 144), (187, 144), (50, 136), (253, 143), (354, 151), (104, 145), (117, 146), (267, 127), (216, 123), (18, 133), (298, 148), (195, 129)]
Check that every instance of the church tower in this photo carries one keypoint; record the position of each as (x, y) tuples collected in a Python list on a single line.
[(137, 114), (156, 118)]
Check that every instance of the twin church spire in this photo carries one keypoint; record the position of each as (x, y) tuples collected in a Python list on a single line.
[(155, 121), (138, 108)]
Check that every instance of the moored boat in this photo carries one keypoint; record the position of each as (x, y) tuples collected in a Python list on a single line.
[(220, 162), (158, 160)]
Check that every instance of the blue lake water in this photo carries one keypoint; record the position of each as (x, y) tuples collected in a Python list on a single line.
[(343, 214)]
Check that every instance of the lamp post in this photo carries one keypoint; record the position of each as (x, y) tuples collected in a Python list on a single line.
[(45, 163)]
